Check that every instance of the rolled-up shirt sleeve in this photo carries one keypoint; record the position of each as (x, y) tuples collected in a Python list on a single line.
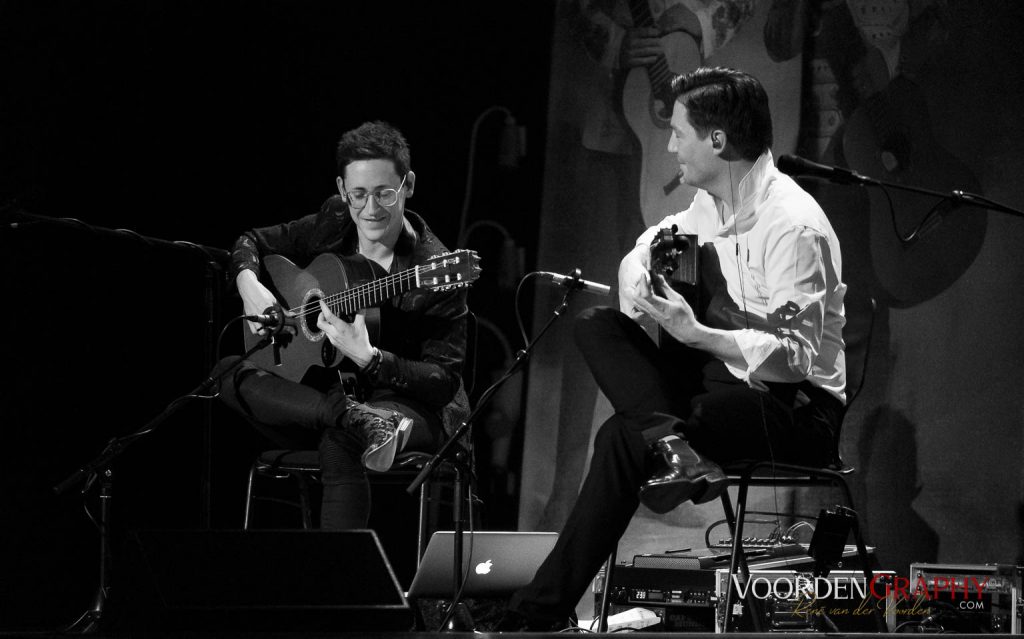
[(784, 346)]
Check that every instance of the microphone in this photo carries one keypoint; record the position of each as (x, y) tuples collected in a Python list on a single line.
[(798, 166), (573, 280), (273, 318)]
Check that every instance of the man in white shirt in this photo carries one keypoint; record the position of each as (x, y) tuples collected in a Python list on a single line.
[(760, 375)]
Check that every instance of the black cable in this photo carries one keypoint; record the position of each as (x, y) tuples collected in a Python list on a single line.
[(913, 236), (515, 309), (746, 320)]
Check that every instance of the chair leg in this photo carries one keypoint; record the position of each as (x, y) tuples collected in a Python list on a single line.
[(304, 501), (606, 599), (421, 530), (249, 497), (738, 563), (862, 553), (737, 560)]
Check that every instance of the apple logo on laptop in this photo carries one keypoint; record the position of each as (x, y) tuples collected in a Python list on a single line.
[(484, 567)]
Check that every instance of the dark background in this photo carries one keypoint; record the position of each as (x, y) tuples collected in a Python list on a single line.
[(195, 121)]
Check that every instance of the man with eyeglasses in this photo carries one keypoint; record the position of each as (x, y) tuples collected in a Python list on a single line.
[(410, 381)]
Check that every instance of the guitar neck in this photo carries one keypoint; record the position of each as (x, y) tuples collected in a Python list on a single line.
[(658, 73), (373, 293)]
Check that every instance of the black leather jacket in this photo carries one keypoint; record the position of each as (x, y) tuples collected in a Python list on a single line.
[(423, 336)]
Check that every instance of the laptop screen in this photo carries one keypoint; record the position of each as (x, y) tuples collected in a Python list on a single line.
[(494, 563)]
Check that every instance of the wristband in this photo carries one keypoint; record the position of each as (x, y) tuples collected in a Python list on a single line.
[(374, 363)]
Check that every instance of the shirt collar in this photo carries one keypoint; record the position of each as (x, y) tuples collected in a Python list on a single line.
[(752, 191)]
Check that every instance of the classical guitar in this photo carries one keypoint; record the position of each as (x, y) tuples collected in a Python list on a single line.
[(676, 257), (347, 285), (647, 107)]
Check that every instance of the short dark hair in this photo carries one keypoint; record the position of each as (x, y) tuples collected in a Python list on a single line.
[(727, 99), (373, 141)]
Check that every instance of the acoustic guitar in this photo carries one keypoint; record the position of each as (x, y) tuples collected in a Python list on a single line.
[(676, 257), (347, 285)]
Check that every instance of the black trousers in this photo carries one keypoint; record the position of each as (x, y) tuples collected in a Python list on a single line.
[(302, 417), (720, 416)]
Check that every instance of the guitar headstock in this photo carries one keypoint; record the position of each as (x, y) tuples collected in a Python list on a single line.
[(451, 270), (666, 247)]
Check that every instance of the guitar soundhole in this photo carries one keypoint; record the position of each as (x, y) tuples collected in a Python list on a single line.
[(895, 151), (307, 321), (661, 111)]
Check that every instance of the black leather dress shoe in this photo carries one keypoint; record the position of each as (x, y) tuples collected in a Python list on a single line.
[(687, 476)]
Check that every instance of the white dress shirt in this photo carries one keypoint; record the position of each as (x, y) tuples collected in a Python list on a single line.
[(781, 266)]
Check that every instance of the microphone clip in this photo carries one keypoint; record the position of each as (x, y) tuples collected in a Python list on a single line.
[(273, 319)]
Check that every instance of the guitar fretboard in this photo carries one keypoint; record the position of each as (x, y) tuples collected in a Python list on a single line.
[(658, 73), (373, 293)]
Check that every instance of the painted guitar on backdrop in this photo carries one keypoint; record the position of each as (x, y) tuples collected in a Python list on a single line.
[(347, 285), (647, 107), (889, 138)]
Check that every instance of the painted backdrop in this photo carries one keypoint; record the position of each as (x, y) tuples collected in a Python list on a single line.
[(915, 93)]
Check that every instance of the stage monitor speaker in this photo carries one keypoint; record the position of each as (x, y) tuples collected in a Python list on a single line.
[(265, 580)]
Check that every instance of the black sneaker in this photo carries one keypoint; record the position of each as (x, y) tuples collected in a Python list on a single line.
[(384, 431)]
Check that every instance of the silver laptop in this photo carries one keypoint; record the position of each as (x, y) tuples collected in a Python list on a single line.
[(494, 563)]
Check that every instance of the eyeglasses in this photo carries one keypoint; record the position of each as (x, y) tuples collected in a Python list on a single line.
[(384, 197)]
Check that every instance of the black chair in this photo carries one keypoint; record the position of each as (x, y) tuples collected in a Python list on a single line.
[(857, 334), (303, 468)]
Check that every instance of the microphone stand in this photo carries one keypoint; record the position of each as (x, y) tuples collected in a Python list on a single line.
[(17, 219), (958, 196), (99, 469), (450, 445)]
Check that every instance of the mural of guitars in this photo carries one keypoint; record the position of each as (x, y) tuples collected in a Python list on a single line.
[(347, 285), (890, 138), (647, 107)]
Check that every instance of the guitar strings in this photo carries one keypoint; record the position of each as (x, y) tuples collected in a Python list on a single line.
[(354, 295), (339, 300)]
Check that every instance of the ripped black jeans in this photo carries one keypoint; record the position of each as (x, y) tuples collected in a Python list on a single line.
[(300, 417)]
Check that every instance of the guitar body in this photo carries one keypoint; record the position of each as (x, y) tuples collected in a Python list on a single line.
[(306, 345), (347, 285), (648, 115), (890, 138)]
